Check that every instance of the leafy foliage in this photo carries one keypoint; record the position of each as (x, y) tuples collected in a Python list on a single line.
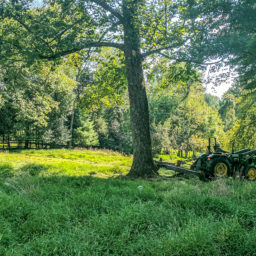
[(85, 135)]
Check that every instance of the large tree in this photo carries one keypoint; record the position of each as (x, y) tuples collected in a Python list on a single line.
[(138, 28)]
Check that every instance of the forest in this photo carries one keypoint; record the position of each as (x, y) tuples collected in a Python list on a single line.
[(78, 105)]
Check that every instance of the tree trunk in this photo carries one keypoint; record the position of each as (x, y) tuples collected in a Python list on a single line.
[(27, 136), (20, 143), (37, 139), (70, 143), (8, 142), (143, 165)]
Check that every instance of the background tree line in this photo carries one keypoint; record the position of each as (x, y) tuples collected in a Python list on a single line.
[(77, 104)]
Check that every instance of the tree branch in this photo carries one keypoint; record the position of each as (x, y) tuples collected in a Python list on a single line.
[(29, 30), (59, 35), (159, 50), (188, 60), (146, 54), (81, 47), (109, 29), (106, 7)]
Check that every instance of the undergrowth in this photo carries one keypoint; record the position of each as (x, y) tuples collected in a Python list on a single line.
[(62, 202)]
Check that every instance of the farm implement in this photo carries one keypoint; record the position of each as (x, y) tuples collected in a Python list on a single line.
[(217, 163)]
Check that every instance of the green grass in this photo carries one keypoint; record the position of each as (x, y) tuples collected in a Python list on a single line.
[(62, 202), (71, 162)]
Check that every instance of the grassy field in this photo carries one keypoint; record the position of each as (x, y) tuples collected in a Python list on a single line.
[(63, 202)]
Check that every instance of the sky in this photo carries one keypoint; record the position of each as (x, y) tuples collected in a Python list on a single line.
[(217, 91), (218, 81)]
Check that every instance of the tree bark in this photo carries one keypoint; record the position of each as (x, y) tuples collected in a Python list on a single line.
[(70, 143), (3, 141), (8, 142), (143, 165), (27, 133)]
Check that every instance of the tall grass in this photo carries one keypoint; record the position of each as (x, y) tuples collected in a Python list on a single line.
[(52, 204)]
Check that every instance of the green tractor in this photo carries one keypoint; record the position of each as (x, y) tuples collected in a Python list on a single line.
[(218, 163)]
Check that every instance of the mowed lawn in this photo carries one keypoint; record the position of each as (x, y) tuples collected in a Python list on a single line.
[(78, 202)]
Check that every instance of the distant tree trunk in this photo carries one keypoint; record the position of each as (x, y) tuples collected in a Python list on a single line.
[(26, 144), (143, 165), (26, 136), (70, 143), (37, 139), (20, 143), (8, 142), (3, 141)]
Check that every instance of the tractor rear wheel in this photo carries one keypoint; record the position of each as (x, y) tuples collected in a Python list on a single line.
[(251, 172), (220, 168)]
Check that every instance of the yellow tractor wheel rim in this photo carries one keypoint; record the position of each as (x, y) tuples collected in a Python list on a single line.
[(221, 170), (251, 173)]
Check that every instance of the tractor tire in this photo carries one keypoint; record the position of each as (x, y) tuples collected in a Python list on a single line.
[(219, 168), (250, 173)]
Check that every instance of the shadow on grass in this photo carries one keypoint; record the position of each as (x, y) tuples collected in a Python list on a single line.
[(23, 150), (17, 150), (8, 171), (34, 169)]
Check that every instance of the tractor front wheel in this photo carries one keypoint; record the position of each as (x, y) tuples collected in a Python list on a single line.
[(251, 172), (220, 168)]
